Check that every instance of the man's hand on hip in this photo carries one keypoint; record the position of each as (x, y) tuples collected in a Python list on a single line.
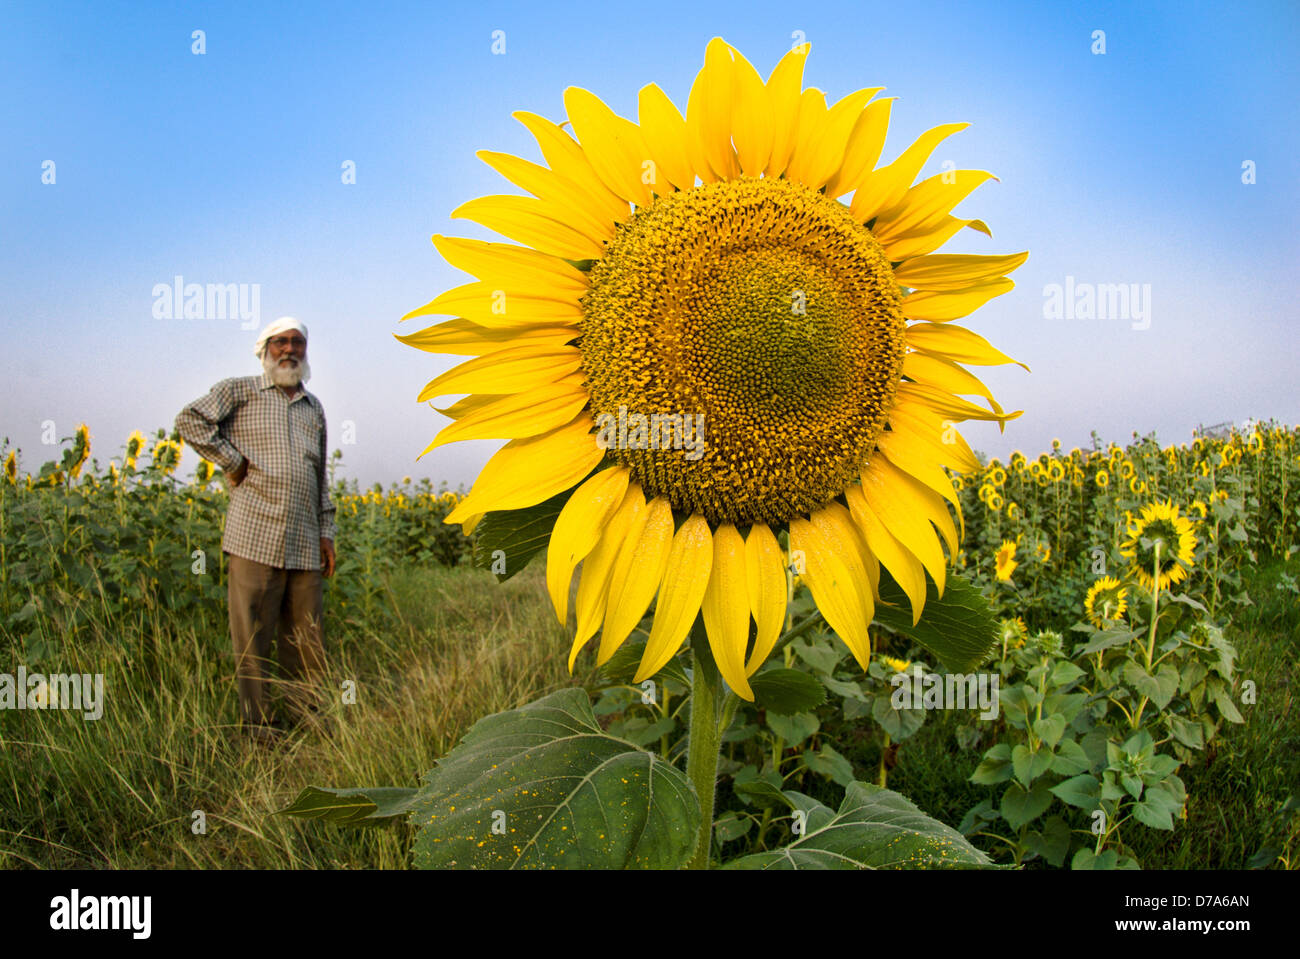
[(238, 475), (327, 557)]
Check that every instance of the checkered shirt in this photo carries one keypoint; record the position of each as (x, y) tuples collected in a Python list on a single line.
[(282, 509)]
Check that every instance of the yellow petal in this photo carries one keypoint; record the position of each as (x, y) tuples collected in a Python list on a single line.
[(638, 571), (784, 90), (911, 529), (862, 151), (708, 115), (598, 567), (585, 213), (505, 371), (765, 571), (912, 459), (680, 595), (467, 338), (752, 118), (509, 306), (929, 239), (517, 415), (566, 158), (825, 150), (927, 203), (532, 222), (726, 609), (946, 375), (955, 271), (578, 529), (901, 563), (812, 118), (945, 404), (512, 265), (831, 584), (885, 188), (956, 343), (612, 143), (941, 307), (664, 130), (940, 437), (919, 500), (529, 471)]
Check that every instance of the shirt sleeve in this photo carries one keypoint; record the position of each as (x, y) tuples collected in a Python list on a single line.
[(327, 527), (199, 424)]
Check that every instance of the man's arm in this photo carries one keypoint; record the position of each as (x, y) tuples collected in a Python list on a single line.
[(199, 424), (327, 528)]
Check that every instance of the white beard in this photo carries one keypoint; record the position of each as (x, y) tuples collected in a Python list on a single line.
[(286, 373)]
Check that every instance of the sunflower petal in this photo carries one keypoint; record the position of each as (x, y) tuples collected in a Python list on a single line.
[(512, 265), (832, 585), (941, 307), (726, 609), (784, 90), (529, 471), (956, 343), (911, 459), (944, 272), (530, 221), (511, 306), (680, 595), (566, 158), (466, 338), (612, 143), (927, 203), (708, 115), (862, 151), (584, 213), (929, 238), (921, 501), (766, 583), (948, 405), (946, 375), (824, 153), (894, 556), (638, 571), (598, 567), (885, 188), (752, 117), (517, 415), (664, 130), (881, 488), (505, 371), (578, 529), (940, 437)]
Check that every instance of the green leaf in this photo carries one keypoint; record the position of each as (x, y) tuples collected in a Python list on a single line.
[(543, 786), (899, 723), (623, 665), (1029, 765), (1109, 859), (958, 628), (763, 789), (1052, 843), (1020, 806), (1070, 759), (729, 826), (1106, 639), (1227, 708), (874, 828), (995, 767), (827, 762), (353, 806), (1083, 791), (505, 541), (787, 691), (821, 656), (1065, 672), (793, 729), (1050, 729)]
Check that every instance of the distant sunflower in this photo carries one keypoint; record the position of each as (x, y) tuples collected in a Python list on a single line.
[(135, 445), (897, 665), (1005, 560), (1102, 479), (1106, 601), (11, 467), (1160, 523), (810, 337), (166, 456), (80, 450)]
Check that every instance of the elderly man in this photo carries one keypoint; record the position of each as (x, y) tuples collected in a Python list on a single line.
[(268, 434)]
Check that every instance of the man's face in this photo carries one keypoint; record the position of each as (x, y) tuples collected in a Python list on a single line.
[(286, 358)]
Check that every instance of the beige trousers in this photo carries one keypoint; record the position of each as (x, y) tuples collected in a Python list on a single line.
[(269, 604)]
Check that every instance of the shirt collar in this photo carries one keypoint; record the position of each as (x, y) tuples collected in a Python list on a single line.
[(268, 384)]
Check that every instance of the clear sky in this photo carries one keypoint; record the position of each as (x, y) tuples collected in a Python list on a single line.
[(1122, 167)]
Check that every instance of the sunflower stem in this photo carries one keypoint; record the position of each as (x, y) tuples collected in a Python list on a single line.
[(705, 738)]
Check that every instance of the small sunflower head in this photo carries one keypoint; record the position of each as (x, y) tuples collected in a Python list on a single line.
[(1048, 642), (80, 450), (11, 468), (1005, 561), (1160, 542), (1106, 602), (1013, 633)]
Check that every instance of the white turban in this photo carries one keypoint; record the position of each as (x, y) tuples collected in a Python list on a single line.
[(279, 326)]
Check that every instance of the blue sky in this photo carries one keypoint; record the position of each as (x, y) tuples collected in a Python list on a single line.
[(1122, 167)]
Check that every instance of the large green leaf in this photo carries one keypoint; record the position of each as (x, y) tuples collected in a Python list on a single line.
[(353, 806), (506, 540), (787, 691), (874, 828), (543, 786), (958, 628)]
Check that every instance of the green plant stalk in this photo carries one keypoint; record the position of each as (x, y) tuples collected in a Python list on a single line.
[(1151, 640), (705, 738)]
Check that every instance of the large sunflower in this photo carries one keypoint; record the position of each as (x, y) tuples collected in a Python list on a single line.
[(1160, 527), (729, 335)]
